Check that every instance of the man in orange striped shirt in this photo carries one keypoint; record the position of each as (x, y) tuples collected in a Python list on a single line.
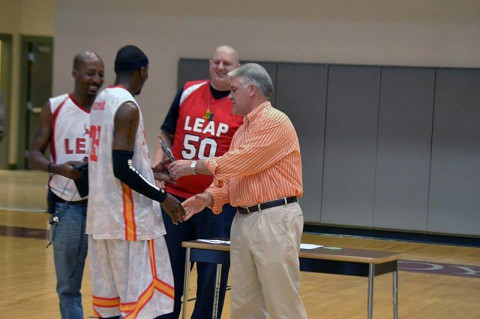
[(261, 175)]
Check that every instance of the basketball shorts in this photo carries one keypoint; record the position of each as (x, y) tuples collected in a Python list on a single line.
[(131, 278)]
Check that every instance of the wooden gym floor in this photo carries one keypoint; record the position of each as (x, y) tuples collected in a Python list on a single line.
[(27, 278)]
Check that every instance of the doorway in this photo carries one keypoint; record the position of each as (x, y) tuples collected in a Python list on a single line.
[(5, 87), (35, 89)]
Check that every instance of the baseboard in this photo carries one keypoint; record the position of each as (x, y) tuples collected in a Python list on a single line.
[(431, 238)]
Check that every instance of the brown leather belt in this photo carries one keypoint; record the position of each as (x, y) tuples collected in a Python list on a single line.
[(274, 203)]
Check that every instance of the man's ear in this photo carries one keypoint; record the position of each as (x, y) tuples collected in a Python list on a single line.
[(143, 72), (252, 89), (74, 73)]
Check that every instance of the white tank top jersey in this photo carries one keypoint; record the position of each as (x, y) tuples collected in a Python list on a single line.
[(71, 125), (115, 211)]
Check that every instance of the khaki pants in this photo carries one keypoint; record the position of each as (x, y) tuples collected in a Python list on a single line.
[(265, 271)]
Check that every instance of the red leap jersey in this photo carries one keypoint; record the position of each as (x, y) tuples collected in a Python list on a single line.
[(200, 136)]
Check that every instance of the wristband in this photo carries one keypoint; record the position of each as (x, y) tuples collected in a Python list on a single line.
[(193, 166), (49, 167), (162, 196)]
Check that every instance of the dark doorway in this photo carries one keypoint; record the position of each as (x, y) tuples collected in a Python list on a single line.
[(35, 89), (5, 87)]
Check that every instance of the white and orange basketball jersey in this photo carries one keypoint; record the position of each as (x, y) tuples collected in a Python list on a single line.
[(114, 210), (70, 141)]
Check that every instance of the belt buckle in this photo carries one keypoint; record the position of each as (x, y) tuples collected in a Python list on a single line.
[(244, 210)]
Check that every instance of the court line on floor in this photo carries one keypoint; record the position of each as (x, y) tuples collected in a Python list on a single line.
[(23, 209)]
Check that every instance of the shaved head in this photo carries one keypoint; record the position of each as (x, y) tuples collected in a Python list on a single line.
[(82, 57), (88, 72), (224, 60), (228, 50)]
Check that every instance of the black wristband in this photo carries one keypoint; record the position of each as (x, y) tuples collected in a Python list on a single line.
[(161, 196), (49, 167), (124, 171)]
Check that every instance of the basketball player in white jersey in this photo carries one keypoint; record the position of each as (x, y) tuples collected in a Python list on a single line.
[(64, 127), (129, 261)]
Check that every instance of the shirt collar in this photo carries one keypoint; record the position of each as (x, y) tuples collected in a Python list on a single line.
[(256, 112)]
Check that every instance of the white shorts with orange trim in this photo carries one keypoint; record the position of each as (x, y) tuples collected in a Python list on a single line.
[(131, 278)]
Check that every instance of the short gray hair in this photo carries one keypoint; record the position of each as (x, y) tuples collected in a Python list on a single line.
[(256, 74)]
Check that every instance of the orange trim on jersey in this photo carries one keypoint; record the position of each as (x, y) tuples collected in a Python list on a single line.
[(129, 213), (161, 286), (95, 313), (132, 309), (105, 302), (164, 288), (153, 265)]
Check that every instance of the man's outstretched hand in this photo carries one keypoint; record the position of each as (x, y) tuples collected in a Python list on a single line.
[(196, 204), (174, 209)]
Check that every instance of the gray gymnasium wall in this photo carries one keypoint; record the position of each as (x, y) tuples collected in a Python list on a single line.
[(455, 165), (403, 151), (350, 143), (382, 147)]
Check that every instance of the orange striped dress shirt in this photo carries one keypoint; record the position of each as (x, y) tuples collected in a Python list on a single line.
[(262, 164)]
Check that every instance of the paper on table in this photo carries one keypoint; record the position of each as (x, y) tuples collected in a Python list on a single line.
[(215, 241), (333, 248), (309, 246), (226, 242)]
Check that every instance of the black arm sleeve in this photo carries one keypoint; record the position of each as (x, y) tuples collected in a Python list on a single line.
[(123, 170), (170, 123)]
